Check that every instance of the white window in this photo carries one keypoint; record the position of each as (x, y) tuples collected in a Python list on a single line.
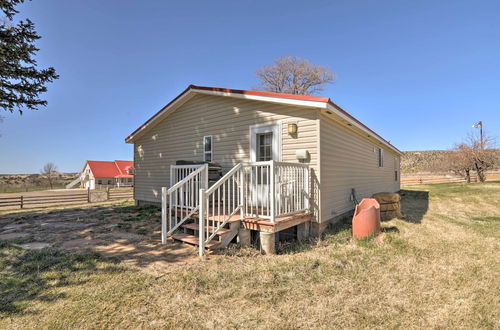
[(207, 148), (380, 157)]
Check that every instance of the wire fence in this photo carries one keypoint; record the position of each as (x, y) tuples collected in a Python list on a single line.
[(413, 179)]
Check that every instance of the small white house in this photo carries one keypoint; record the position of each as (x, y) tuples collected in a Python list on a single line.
[(289, 162)]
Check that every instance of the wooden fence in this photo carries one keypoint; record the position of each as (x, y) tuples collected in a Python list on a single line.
[(425, 178), (26, 201)]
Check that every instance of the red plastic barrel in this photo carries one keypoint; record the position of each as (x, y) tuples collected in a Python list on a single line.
[(366, 220)]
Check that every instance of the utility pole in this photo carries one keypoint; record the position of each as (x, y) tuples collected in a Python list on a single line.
[(479, 125)]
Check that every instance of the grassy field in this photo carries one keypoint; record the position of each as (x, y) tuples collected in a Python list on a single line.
[(438, 268), (10, 189)]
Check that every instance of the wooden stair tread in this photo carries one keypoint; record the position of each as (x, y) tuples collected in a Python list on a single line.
[(190, 239), (184, 211), (211, 229)]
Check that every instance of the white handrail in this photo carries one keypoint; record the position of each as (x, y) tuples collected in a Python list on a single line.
[(181, 201), (261, 189), (192, 174), (179, 172), (218, 205), (223, 179)]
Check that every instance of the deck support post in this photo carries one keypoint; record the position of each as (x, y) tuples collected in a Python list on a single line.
[(163, 215), (303, 230), (244, 236), (201, 229), (268, 242)]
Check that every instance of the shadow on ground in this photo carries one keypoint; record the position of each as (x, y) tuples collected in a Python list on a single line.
[(30, 275), (129, 233), (414, 205)]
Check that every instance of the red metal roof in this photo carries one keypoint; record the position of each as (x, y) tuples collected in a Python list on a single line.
[(111, 169), (258, 93)]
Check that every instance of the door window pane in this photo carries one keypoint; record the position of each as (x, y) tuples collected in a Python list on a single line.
[(264, 147)]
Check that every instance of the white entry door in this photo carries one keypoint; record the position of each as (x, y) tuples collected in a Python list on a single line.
[(265, 145), (265, 142)]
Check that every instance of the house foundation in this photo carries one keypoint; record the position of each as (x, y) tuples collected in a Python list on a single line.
[(244, 237), (303, 231), (268, 242)]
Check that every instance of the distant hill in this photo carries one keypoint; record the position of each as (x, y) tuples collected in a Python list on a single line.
[(25, 182), (427, 160)]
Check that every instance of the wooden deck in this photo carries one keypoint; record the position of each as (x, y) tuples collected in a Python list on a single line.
[(262, 224), (280, 224)]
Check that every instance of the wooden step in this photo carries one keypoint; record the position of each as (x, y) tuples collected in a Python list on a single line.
[(211, 229), (184, 212), (193, 240)]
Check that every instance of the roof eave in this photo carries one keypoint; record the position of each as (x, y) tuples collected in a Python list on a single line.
[(312, 102), (338, 111)]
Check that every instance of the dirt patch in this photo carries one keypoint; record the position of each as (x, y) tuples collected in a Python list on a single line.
[(123, 231), (13, 236), (81, 243), (34, 245)]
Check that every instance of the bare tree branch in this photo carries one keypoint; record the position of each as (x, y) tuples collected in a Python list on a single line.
[(49, 170), (473, 155), (294, 75)]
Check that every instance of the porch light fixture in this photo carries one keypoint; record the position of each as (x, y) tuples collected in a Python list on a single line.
[(292, 128)]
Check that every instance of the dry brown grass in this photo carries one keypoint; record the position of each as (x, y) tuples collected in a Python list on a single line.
[(436, 270)]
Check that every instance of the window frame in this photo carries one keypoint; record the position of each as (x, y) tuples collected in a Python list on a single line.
[(211, 152), (380, 157), (276, 128)]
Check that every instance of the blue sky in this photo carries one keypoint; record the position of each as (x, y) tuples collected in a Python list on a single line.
[(420, 73)]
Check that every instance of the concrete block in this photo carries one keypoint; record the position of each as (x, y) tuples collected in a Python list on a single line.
[(244, 237), (268, 242)]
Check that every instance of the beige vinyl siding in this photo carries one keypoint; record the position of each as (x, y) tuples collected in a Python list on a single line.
[(180, 136), (351, 161)]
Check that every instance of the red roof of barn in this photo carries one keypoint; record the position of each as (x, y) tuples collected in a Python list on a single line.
[(111, 169)]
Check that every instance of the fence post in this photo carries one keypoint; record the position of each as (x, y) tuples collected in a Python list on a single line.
[(88, 195), (201, 228), (107, 194), (22, 201), (163, 215)]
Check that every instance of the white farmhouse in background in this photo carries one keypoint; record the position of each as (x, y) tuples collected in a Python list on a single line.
[(103, 174)]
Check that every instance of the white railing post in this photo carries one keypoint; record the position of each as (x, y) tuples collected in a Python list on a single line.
[(272, 193), (206, 176), (201, 229), (164, 215), (307, 194), (242, 193)]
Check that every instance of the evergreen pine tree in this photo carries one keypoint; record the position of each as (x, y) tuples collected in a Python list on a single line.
[(21, 82)]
